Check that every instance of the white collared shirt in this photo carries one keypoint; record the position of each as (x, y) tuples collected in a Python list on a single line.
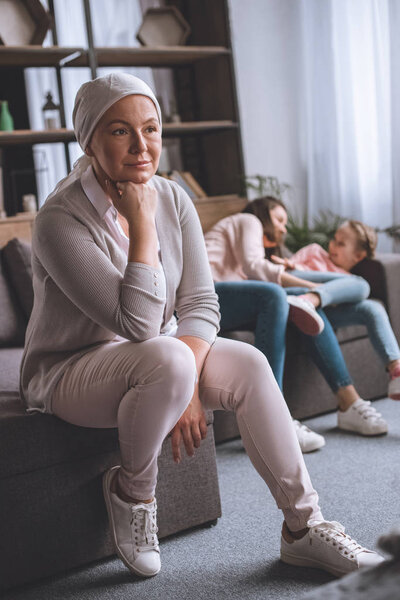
[(107, 211)]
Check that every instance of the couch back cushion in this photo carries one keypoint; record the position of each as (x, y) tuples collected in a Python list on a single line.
[(12, 320), (17, 261)]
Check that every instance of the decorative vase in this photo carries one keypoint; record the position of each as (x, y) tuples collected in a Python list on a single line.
[(6, 120)]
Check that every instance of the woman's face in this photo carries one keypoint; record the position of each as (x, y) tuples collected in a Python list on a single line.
[(126, 144), (343, 248), (279, 221)]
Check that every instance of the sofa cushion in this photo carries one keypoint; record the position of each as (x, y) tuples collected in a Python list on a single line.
[(371, 269), (17, 260), (12, 321), (35, 440), (10, 359)]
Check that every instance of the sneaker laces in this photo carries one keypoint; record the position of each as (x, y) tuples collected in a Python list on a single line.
[(334, 533), (367, 411), (144, 524)]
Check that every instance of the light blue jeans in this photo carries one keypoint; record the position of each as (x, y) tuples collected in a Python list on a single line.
[(372, 314), (350, 293), (336, 288), (261, 306)]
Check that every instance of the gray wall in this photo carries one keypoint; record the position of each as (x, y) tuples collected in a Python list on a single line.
[(266, 37)]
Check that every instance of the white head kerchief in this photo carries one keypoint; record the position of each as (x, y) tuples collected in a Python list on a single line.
[(92, 100), (95, 97)]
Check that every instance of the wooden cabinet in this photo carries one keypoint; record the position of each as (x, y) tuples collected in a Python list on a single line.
[(209, 131), (19, 226)]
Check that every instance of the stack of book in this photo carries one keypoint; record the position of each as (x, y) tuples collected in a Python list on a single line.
[(187, 182)]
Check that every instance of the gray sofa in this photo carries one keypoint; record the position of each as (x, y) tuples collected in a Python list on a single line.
[(52, 514), (305, 390)]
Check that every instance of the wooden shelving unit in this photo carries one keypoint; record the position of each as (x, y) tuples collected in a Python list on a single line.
[(204, 78), (30, 137), (53, 56)]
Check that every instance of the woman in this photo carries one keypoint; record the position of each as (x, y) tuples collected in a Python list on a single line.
[(242, 241), (116, 251)]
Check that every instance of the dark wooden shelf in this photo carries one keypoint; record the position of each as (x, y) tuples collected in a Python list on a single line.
[(52, 136), (162, 56), (196, 127), (34, 56), (29, 137)]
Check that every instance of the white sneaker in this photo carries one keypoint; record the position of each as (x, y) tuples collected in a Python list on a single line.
[(326, 546), (134, 530), (362, 418), (303, 314), (394, 388), (308, 440)]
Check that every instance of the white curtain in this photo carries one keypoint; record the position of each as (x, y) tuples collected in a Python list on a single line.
[(352, 92), (114, 24)]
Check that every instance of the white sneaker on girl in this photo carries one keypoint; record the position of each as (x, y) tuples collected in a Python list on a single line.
[(134, 530), (394, 388), (326, 546), (303, 314), (308, 440), (362, 418)]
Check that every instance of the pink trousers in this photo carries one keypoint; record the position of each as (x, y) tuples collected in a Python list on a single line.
[(144, 388)]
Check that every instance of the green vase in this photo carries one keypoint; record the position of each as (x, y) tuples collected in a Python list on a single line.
[(6, 120)]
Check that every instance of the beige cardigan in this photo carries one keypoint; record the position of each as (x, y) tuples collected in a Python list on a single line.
[(85, 293), (236, 251)]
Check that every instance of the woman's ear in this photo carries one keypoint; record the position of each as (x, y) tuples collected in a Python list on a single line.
[(88, 151)]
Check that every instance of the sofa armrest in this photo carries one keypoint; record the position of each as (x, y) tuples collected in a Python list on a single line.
[(383, 275)]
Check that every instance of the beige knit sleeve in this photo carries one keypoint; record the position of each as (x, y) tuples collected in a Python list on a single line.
[(67, 251), (197, 305)]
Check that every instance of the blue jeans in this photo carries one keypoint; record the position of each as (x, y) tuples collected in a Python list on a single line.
[(336, 288), (373, 315), (262, 307)]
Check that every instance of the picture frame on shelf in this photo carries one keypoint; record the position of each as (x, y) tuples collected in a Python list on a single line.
[(23, 23), (164, 26)]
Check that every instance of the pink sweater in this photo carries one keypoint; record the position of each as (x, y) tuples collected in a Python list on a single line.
[(236, 251), (314, 258)]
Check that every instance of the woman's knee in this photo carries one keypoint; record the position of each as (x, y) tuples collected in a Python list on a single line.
[(274, 296), (247, 364), (170, 363)]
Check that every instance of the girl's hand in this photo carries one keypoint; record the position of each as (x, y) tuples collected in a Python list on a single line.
[(286, 262), (191, 428)]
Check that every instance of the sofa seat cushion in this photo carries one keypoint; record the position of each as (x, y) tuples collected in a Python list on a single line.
[(12, 321), (10, 359), (31, 441), (36, 441), (293, 342), (17, 259)]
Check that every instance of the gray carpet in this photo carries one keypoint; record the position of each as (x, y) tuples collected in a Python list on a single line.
[(359, 485)]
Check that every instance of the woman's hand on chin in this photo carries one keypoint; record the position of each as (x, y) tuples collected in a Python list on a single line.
[(137, 202)]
